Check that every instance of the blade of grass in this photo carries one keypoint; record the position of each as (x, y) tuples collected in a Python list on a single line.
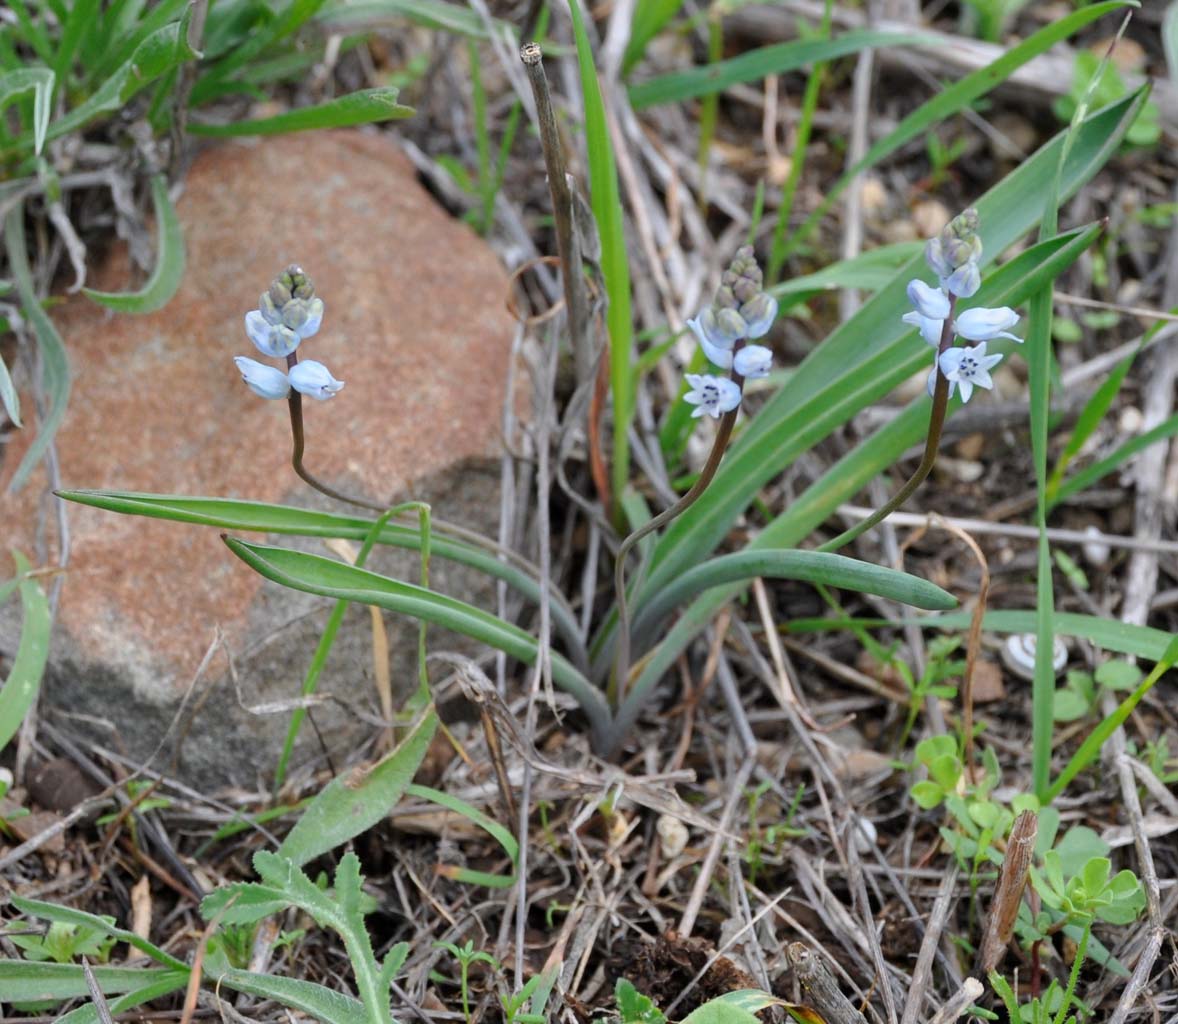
[(1089, 750), (165, 277), (952, 100), (715, 77), (801, 145), (606, 203), (23, 981), (1090, 474), (649, 19), (436, 14), (55, 371), (362, 107)]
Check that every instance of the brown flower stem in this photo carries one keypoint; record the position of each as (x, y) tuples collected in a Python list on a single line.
[(935, 426), (619, 679)]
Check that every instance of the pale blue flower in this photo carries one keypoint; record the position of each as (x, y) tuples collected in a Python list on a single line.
[(314, 380), (712, 395), (263, 380), (982, 324), (964, 281), (753, 361), (930, 330), (969, 368), (931, 303), (275, 340), (716, 346)]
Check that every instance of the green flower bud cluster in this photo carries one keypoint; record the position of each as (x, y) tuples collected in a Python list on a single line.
[(955, 253), (290, 300)]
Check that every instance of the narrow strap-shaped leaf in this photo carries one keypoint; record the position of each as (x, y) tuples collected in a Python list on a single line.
[(55, 370), (317, 575), (23, 981), (757, 64), (263, 517), (165, 278), (68, 915), (362, 107), (40, 80), (24, 679)]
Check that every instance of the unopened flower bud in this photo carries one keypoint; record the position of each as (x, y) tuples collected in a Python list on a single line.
[(265, 381), (279, 292), (758, 314), (982, 324), (269, 310), (965, 280), (753, 361), (929, 302), (314, 380)]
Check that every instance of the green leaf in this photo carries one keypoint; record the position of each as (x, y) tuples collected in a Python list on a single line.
[(8, 395), (822, 568), (615, 260), (1118, 675), (80, 918), (314, 574), (165, 278), (757, 64), (22, 981), (649, 18), (161, 51), (40, 80), (436, 14), (499, 833), (24, 678), (156, 987), (1108, 634), (321, 1003), (55, 370), (634, 1007), (1078, 845), (721, 1010), (1090, 474), (230, 514), (927, 794), (352, 803), (362, 107)]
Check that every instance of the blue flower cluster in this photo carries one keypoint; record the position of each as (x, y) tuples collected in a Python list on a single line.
[(288, 313), (740, 312), (954, 255)]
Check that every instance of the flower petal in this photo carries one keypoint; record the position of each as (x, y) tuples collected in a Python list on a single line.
[(964, 281), (929, 302), (264, 381)]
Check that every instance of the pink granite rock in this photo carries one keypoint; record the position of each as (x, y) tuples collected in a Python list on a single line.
[(415, 325)]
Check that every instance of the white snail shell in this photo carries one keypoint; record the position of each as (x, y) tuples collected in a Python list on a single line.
[(1018, 655), (672, 836)]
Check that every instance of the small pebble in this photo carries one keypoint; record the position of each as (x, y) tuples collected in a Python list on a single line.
[(672, 836), (863, 835), (1131, 420), (1096, 551), (930, 216), (872, 195)]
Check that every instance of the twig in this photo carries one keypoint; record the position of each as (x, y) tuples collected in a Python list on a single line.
[(704, 877), (568, 242), (825, 995), (1056, 536), (961, 1001), (923, 971)]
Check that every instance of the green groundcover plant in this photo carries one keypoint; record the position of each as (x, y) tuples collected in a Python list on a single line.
[(949, 312)]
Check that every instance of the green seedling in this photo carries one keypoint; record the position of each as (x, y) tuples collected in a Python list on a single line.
[(1080, 694), (466, 955)]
